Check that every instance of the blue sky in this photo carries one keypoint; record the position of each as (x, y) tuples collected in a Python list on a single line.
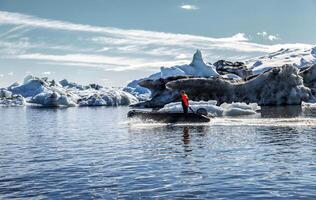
[(113, 42)]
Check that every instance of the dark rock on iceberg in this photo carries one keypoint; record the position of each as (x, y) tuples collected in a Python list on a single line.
[(239, 68), (309, 77)]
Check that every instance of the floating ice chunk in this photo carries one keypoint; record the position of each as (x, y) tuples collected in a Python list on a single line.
[(233, 109), (238, 112), (52, 99), (9, 99), (106, 97), (5, 93)]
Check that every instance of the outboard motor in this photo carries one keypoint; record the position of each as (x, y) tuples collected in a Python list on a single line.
[(202, 111), (131, 113)]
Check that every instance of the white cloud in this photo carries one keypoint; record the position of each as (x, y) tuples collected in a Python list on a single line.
[(189, 7), (125, 49), (10, 73), (1, 75), (268, 36)]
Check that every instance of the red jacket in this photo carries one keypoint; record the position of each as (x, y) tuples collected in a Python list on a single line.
[(185, 99)]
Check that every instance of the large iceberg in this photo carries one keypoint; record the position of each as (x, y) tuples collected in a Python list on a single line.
[(284, 77), (280, 86)]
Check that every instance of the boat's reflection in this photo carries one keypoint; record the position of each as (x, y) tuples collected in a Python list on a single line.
[(169, 138), (186, 135), (281, 111)]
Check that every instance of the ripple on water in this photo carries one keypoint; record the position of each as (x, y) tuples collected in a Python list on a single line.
[(97, 153)]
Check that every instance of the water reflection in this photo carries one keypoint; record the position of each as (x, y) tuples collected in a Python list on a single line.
[(281, 111), (281, 136), (186, 135)]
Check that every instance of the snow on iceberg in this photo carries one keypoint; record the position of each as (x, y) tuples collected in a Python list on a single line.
[(300, 57), (138, 91), (31, 86), (234, 109), (9, 99)]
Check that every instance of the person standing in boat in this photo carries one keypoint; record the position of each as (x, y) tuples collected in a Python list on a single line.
[(185, 102)]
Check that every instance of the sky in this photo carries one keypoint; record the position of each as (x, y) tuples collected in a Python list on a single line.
[(113, 42)]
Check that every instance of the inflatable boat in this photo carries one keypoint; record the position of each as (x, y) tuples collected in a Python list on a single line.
[(167, 117)]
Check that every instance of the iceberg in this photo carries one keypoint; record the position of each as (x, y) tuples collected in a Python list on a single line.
[(52, 99), (279, 86), (105, 97), (197, 68), (49, 93), (31, 86), (9, 99)]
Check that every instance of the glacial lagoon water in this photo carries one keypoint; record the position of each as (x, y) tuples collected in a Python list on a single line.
[(97, 153)]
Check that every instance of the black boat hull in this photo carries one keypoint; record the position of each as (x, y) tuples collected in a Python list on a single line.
[(168, 117)]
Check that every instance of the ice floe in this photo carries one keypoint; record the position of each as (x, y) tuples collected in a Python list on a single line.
[(233, 109)]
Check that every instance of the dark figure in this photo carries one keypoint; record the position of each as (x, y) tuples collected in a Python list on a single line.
[(185, 102)]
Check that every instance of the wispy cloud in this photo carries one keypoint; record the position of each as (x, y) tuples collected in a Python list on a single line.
[(119, 49), (189, 7), (268, 36)]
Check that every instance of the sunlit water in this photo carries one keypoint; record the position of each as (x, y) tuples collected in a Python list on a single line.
[(96, 153)]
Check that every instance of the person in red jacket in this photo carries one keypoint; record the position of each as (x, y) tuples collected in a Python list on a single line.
[(185, 102)]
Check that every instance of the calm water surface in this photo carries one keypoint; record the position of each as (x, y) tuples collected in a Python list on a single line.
[(96, 153)]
